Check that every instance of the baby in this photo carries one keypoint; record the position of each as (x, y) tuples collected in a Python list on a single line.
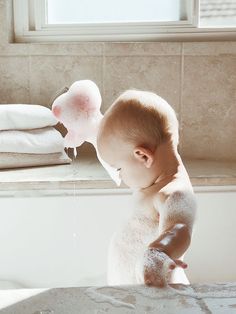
[(139, 136)]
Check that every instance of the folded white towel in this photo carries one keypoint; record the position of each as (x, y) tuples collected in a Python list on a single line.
[(39, 141), (15, 160), (23, 117)]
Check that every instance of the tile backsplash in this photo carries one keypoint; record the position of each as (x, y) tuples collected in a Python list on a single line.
[(197, 78)]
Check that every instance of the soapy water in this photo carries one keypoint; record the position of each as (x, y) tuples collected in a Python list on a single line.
[(74, 153), (99, 297), (44, 312), (224, 291), (187, 291)]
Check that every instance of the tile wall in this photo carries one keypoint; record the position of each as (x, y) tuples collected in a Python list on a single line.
[(197, 78)]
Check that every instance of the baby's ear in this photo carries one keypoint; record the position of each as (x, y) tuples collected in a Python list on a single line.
[(144, 155)]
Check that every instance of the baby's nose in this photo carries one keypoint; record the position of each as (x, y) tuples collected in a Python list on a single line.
[(56, 111)]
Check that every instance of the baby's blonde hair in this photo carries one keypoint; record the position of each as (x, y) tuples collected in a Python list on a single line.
[(141, 118)]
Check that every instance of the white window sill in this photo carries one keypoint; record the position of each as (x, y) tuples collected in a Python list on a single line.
[(164, 34)]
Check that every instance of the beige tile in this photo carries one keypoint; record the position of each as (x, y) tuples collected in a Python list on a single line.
[(10, 20), (211, 173), (3, 22), (14, 80), (142, 49), (65, 49), (6, 30), (158, 74), (48, 74), (209, 48), (15, 49), (211, 169), (209, 107)]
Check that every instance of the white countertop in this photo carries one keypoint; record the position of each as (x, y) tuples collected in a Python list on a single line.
[(194, 299), (87, 173)]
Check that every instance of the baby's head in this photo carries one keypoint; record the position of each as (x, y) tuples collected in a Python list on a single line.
[(132, 129)]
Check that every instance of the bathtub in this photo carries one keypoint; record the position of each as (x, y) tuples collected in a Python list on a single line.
[(62, 240)]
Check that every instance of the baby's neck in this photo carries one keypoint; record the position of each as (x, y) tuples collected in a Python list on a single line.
[(168, 162)]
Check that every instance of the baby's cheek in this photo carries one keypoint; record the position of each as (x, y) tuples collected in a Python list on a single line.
[(129, 179)]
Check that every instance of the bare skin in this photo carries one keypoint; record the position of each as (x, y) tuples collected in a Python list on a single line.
[(159, 181)]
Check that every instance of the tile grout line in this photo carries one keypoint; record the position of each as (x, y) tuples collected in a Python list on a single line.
[(181, 99)]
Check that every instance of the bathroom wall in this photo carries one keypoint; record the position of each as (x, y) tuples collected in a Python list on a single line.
[(197, 78)]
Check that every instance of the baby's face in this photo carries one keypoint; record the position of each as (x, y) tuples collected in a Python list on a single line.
[(120, 156)]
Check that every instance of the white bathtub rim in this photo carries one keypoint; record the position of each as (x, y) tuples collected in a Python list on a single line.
[(97, 192)]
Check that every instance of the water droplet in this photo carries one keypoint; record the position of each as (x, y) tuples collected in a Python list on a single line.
[(75, 152)]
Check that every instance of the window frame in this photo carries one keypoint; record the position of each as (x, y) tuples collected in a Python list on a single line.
[(30, 26)]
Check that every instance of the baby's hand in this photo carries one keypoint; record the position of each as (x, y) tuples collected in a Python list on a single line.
[(157, 267)]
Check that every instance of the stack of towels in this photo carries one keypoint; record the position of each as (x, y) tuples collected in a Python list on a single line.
[(28, 138)]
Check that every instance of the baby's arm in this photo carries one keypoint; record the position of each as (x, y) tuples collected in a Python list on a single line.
[(177, 211)]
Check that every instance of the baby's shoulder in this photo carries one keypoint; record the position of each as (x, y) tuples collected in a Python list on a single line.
[(178, 188)]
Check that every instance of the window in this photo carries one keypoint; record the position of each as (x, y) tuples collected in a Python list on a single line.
[(218, 13), (112, 11), (123, 20)]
